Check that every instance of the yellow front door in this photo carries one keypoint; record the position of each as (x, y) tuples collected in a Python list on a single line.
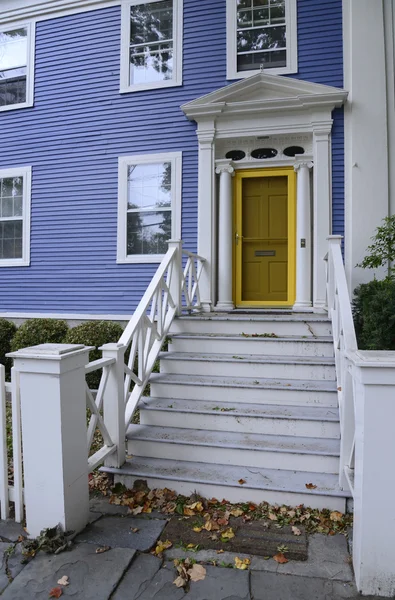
[(265, 237)]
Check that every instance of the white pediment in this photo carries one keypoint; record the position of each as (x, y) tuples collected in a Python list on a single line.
[(265, 92)]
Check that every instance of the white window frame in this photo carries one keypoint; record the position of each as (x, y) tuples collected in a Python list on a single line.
[(231, 43), (26, 173), (175, 158), (31, 43), (125, 86)]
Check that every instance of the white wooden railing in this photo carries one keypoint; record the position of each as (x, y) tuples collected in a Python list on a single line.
[(345, 342), (10, 448), (174, 288)]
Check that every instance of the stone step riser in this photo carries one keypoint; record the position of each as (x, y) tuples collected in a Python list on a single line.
[(291, 461), (242, 395), (235, 327), (242, 368), (238, 494), (260, 346), (241, 424)]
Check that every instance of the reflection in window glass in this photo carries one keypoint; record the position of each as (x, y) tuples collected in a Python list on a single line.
[(13, 66), (11, 221), (151, 42), (149, 208), (261, 34)]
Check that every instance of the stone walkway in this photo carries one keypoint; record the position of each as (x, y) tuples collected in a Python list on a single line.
[(127, 571)]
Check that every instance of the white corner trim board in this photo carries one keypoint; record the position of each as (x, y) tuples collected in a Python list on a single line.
[(17, 10)]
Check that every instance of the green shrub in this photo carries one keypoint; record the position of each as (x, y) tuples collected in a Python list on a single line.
[(39, 331), (7, 332), (94, 333), (374, 314)]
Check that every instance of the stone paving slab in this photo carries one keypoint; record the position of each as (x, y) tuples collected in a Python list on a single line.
[(11, 561), (161, 587), (137, 577), (102, 505), (10, 531), (254, 537), (221, 584), (208, 556), (117, 532), (92, 576), (276, 586)]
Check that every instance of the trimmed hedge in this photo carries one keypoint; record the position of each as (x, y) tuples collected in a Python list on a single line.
[(374, 314), (7, 332), (94, 333), (39, 331)]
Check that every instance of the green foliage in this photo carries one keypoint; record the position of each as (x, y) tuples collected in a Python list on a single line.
[(94, 333), (39, 331), (374, 314), (382, 251), (7, 332)]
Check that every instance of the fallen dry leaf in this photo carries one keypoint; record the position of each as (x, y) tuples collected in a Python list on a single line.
[(188, 512), (237, 512), (137, 510), (180, 581), (280, 558), (242, 563), (197, 572), (310, 486), (197, 529), (220, 551), (296, 531), (102, 549), (63, 580), (135, 529), (272, 517), (228, 534), (211, 525), (336, 516), (162, 546), (198, 506), (55, 592), (242, 481)]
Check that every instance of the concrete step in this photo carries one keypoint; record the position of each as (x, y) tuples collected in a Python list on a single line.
[(252, 344), (231, 448), (302, 421), (300, 324), (221, 481), (244, 389), (248, 365)]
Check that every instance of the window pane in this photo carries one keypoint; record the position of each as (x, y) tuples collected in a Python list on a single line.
[(247, 62), (11, 239), (11, 190), (148, 232), (261, 39), (151, 47), (12, 86), (149, 186), (13, 49)]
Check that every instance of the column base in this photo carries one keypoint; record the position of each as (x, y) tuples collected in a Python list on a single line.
[(302, 307), (224, 307), (206, 306), (320, 307)]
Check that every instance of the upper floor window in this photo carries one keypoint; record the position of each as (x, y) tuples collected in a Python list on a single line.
[(149, 205), (16, 67), (15, 186), (151, 44), (261, 33)]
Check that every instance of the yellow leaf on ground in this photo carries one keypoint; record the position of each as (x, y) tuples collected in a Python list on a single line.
[(336, 516), (280, 558), (189, 512), (237, 512), (296, 531), (162, 546), (220, 551), (242, 563), (197, 529), (197, 572), (228, 534), (196, 506), (211, 525), (191, 546)]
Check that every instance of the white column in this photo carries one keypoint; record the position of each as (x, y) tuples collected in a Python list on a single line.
[(374, 480), (54, 435), (206, 212), (114, 403), (303, 236), (225, 272), (322, 207)]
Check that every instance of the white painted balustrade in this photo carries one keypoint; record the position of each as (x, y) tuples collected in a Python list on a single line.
[(366, 393)]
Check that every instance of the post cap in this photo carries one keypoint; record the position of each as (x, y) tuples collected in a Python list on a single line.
[(49, 350)]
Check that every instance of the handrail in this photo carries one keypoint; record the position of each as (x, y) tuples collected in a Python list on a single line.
[(345, 341)]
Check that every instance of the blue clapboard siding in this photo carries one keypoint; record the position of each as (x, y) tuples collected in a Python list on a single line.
[(79, 126)]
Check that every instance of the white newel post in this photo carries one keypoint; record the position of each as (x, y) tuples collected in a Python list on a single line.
[(374, 485), (114, 403), (54, 435), (225, 171), (175, 283), (303, 236)]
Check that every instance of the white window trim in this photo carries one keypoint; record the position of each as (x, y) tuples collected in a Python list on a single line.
[(177, 49), (231, 43), (175, 158), (31, 44), (26, 173)]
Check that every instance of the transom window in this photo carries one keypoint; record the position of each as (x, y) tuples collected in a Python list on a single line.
[(149, 206), (14, 216), (16, 67), (261, 34), (151, 44)]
